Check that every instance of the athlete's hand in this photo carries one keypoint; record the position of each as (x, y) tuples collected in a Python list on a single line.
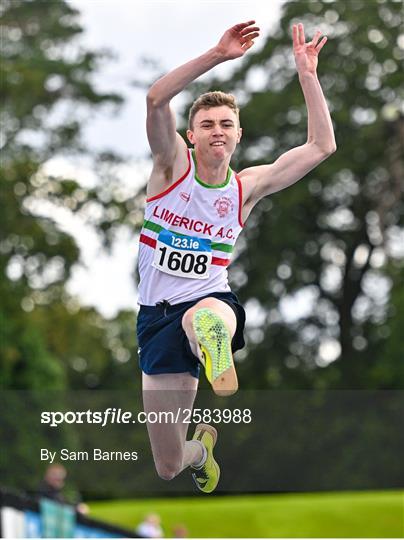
[(306, 54), (237, 40)]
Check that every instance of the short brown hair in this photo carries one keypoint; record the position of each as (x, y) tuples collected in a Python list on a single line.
[(212, 99)]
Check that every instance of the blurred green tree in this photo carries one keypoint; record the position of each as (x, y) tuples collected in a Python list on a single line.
[(47, 93), (321, 264)]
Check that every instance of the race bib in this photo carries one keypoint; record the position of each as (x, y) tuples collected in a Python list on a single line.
[(183, 256)]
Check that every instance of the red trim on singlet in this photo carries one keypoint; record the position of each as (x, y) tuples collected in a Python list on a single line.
[(176, 183), (240, 199), (220, 262), (147, 240), (152, 243)]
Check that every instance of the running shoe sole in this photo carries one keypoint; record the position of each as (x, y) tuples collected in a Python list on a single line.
[(215, 344)]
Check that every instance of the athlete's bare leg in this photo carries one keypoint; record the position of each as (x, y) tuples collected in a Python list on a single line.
[(222, 309), (171, 451)]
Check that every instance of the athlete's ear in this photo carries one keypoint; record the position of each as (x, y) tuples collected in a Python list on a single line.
[(190, 136), (240, 133)]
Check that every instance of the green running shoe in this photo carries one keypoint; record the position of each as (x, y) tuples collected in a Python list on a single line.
[(207, 476), (215, 344)]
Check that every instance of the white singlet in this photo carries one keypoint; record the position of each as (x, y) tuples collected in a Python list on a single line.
[(187, 238)]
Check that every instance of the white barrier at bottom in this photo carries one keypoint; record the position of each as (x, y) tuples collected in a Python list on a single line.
[(13, 523)]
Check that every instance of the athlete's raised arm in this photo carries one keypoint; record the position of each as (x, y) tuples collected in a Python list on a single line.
[(296, 163), (167, 146)]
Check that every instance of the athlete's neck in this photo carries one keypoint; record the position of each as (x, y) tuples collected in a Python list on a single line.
[(213, 172)]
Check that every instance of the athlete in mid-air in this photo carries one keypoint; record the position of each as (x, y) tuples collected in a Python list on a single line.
[(196, 208)]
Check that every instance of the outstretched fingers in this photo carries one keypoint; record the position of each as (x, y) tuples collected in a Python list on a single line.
[(239, 27), (316, 37), (316, 43), (247, 33), (248, 38), (298, 35), (321, 44), (249, 30), (301, 37), (244, 30), (294, 35)]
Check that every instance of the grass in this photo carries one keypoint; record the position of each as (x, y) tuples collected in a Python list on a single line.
[(342, 514)]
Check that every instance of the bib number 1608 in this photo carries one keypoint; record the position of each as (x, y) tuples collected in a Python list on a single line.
[(180, 262), (187, 257)]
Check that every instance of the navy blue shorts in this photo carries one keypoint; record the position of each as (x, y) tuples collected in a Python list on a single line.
[(163, 344)]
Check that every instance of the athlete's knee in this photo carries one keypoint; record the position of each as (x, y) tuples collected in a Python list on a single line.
[(221, 309), (167, 470), (187, 320)]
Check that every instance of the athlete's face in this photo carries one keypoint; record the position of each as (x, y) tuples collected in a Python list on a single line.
[(215, 132)]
